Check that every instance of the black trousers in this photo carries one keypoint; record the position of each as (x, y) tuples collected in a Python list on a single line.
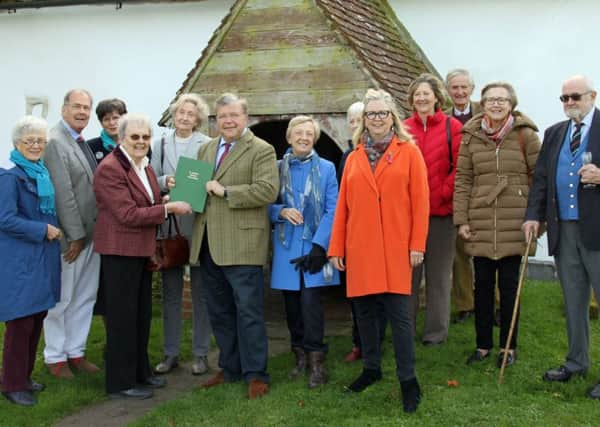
[(128, 302), (305, 319), (398, 311), (485, 280), (381, 320)]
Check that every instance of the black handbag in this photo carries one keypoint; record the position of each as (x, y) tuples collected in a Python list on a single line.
[(171, 250)]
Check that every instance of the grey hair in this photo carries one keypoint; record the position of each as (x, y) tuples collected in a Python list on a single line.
[(67, 97), (386, 98), (459, 72), (512, 94), (228, 99), (356, 109), (586, 80), (298, 120), (202, 110), (133, 118), (28, 124)]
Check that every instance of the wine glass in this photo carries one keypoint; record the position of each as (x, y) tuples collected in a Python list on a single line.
[(586, 159)]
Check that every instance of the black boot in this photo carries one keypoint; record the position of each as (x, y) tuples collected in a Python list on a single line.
[(318, 374), (411, 394), (365, 379), (300, 367)]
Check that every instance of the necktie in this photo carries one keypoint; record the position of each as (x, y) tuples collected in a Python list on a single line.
[(576, 139), (87, 152), (225, 153)]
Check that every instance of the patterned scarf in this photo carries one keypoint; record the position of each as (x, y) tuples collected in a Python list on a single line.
[(499, 133), (107, 142), (310, 202), (37, 171), (374, 149)]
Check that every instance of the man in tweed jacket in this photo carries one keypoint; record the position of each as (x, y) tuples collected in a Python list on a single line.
[(230, 242)]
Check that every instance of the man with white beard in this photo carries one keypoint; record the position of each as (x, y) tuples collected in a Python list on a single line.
[(565, 194)]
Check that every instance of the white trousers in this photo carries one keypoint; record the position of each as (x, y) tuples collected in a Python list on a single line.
[(67, 325)]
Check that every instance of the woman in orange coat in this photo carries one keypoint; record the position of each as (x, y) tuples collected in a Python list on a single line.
[(379, 233)]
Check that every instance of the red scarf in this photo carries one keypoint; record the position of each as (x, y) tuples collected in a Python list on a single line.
[(500, 132)]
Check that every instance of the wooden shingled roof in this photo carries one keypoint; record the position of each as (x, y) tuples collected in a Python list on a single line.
[(306, 56), (382, 43)]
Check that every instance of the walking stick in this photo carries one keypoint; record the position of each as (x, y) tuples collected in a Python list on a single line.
[(516, 307)]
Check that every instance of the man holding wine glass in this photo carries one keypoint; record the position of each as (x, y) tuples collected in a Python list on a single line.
[(566, 196)]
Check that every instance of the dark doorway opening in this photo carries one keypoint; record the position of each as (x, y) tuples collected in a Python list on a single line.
[(274, 133)]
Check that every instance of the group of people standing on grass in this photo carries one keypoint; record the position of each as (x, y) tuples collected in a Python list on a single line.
[(412, 197)]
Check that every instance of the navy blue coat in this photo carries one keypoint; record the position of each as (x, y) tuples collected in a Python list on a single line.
[(542, 204), (283, 275), (30, 266)]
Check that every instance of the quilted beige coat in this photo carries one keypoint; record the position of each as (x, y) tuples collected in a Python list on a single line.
[(492, 185)]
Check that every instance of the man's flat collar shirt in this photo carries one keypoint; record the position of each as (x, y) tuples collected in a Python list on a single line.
[(221, 148), (72, 132), (465, 112), (587, 124)]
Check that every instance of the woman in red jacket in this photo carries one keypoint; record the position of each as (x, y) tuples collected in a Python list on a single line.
[(379, 233), (438, 137)]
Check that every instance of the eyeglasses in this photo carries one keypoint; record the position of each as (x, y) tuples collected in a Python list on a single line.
[(498, 101), (136, 137), (574, 96), (372, 115), (31, 142)]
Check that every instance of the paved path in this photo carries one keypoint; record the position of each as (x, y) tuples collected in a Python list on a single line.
[(114, 413)]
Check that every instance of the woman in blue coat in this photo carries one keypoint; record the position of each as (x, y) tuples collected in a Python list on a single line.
[(30, 251), (302, 218)]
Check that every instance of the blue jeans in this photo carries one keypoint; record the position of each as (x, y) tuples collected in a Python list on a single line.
[(235, 296)]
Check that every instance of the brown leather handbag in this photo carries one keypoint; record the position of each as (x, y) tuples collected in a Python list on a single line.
[(171, 250)]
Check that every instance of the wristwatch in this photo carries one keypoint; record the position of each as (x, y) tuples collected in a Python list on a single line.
[(224, 192)]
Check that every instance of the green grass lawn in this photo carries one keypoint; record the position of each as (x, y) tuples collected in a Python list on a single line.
[(62, 398), (523, 399)]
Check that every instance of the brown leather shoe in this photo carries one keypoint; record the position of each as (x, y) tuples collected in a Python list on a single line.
[(60, 370), (81, 364), (257, 388), (218, 379)]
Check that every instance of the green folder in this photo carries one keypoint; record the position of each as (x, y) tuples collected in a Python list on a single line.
[(191, 177)]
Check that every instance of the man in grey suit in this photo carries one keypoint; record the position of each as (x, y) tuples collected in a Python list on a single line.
[(71, 165), (565, 194), (230, 241)]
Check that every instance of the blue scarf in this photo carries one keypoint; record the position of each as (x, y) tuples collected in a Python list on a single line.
[(107, 142), (311, 200), (37, 171)]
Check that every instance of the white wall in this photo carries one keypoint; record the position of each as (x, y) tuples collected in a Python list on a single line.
[(534, 45), (140, 53)]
